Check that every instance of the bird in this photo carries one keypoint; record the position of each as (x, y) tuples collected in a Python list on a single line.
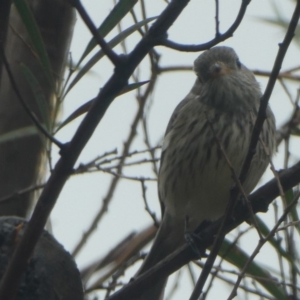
[(194, 179)]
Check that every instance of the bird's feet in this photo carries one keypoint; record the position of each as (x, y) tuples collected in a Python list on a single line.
[(194, 240)]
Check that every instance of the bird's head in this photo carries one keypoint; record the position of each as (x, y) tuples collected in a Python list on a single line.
[(216, 62)]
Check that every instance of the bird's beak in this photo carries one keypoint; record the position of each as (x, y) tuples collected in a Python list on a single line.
[(219, 69)]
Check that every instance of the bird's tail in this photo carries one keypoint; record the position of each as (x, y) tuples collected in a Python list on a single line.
[(168, 238)]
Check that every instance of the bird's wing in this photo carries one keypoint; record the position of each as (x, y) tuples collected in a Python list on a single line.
[(195, 91)]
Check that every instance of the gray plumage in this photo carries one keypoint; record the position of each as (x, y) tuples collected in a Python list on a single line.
[(195, 179)]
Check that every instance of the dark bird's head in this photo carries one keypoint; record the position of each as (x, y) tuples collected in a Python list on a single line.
[(224, 82), (217, 61)]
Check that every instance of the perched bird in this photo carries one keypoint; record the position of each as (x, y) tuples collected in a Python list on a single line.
[(194, 179)]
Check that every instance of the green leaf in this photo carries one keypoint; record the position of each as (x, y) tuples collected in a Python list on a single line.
[(38, 94), (86, 106), (289, 196), (114, 42), (115, 16), (35, 36), (296, 131), (18, 133), (239, 258)]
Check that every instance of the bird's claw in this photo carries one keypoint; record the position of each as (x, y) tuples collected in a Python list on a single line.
[(193, 240)]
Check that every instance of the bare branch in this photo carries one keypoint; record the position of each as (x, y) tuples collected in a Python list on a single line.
[(71, 152), (114, 58), (260, 200), (261, 243), (218, 38)]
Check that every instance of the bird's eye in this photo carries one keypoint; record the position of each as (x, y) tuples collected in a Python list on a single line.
[(238, 63)]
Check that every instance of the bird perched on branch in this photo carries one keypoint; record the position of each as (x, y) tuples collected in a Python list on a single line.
[(195, 179)]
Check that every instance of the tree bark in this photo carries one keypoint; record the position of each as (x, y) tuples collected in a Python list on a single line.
[(22, 159)]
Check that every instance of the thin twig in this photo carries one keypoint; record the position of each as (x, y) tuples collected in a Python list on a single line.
[(129, 164), (31, 115), (289, 224), (97, 163), (154, 60), (107, 199), (218, 268), (282, 75), (114, 58), (286, 130), (126, 249), (152, 214), (217, 19), (130, 154), (175, 286), (275, 173), (285, 88), (261, 243), (135, 20), (216, 272), (213, 42), (144, 14), (134, 178), (174, 69), (22, 192), (119, 25)]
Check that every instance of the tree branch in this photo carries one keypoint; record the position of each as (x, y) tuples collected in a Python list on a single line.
[(260, 200), (218, 38), (114, 58), (261, 116), (71, 152)]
